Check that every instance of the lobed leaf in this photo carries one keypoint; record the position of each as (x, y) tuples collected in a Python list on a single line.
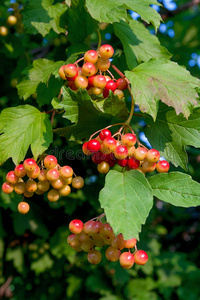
[(127, 200), (138, 43), (109, 11), (21, 127), (162, 79), (171, 133), (176, 188)]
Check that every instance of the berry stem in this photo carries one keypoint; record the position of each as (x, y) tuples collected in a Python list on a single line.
[(99, 217), (113, 77), (132, 107), (99, 38), (76, 62)]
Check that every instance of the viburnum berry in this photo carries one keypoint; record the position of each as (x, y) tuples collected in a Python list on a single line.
[(30, 164), (87, 245), (94, 257), (19, 188), (98, 157), (42, 176), (103, 167), (53, 174), (71, 85), (140, 153), (128, 139), (7, 187), (133, 163), (111, 85), (11, 20), (62, 73), (109, 144), (58, 183), (85, 149), (88, 69), (77, 182), (28, 194), (121, 84), (76, 226), (43, 186), (126, 260), (81, 82), (53, 195), (99, 81), (121, 152), (70, 70), (31, 185), (162, 166), (130, 243), (34, 174), (91, 56), (103, 64), (106, 51), (131, 151), (91, 81), (148, 167), (93, 146), (105, 133), (20, 171), (50, 161), (66, 172), (112, 254), (119, 93), (72, 78), (11, 177), (122, 162), (65, 190), (118, 242), (23, 207), (73, 241), (141, 257), (153, 155)]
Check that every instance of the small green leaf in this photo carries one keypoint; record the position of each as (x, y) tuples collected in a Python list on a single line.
[(21, 127), (40, 72), (90, 117), (41, 265), (176, 188), (127, 200), (138, 43), (16, 255), (110, 11), (70, 106), (42, 16), (173, 133), (115, 106), (162, 79)]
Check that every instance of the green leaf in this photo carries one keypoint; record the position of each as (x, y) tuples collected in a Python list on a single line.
[(42, 16), (40, 72), (41, 265), (84, 26), (176, 188), (21, 127), (161, 79), (45, 92), (127, 200), (90, 117), (115, 106), (138, 43), (70, 106), (109, 11), (17, 256), (173, 133)]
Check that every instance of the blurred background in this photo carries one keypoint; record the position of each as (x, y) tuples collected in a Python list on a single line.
[(35, 260)]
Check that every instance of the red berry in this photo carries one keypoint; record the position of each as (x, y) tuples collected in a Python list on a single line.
[(76, 226), (98, 157), (91, 81), (121, 84), (72, 78), (140, 153), (85, 149), (88, 69), (7, 187), (103, 64), (93, 145), (111, 85), (50, 161), (122, 162), (61, 72), (130, 243), (106, 51), (81, 82), (99, 81), (11, 177), (20, 171), (141, 257), (52, 174), (148, 166), (162, 166), (91, 56), (66, 172), (109, 144), (30, 164), (70, 70), (133, 163), (126, 260), (105, 133), (121, 152), (34, 174), (105, 93)]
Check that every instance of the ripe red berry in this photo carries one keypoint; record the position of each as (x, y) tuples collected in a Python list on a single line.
[(81, 82), (99, 81), (7, 187), (133, 163), (121, 152), (34, 174), (106, 51), (98, 157), (105, 133), (122, 162), (93, 145), (121, 84), (88, 69), (20, 171), (109, 144), (111, 85), (30, 164), (91, 56), (52, 174), (50, 161), (72, 78), (91, 81), (162, 166), (126, 260), (85, 149), (130, 243), (11, 177), (141, 257), (70, 70), (76, 226), (140, 153)]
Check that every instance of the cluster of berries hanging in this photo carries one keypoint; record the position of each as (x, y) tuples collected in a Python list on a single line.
[(93, 75), (106, 151), (50, 177), (85, 237)]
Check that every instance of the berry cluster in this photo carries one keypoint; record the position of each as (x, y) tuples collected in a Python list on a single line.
[(86, 237), (22, 180), (90, 76), (106, 151)]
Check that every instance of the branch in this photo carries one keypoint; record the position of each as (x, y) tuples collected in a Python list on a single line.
[(180, 9)]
